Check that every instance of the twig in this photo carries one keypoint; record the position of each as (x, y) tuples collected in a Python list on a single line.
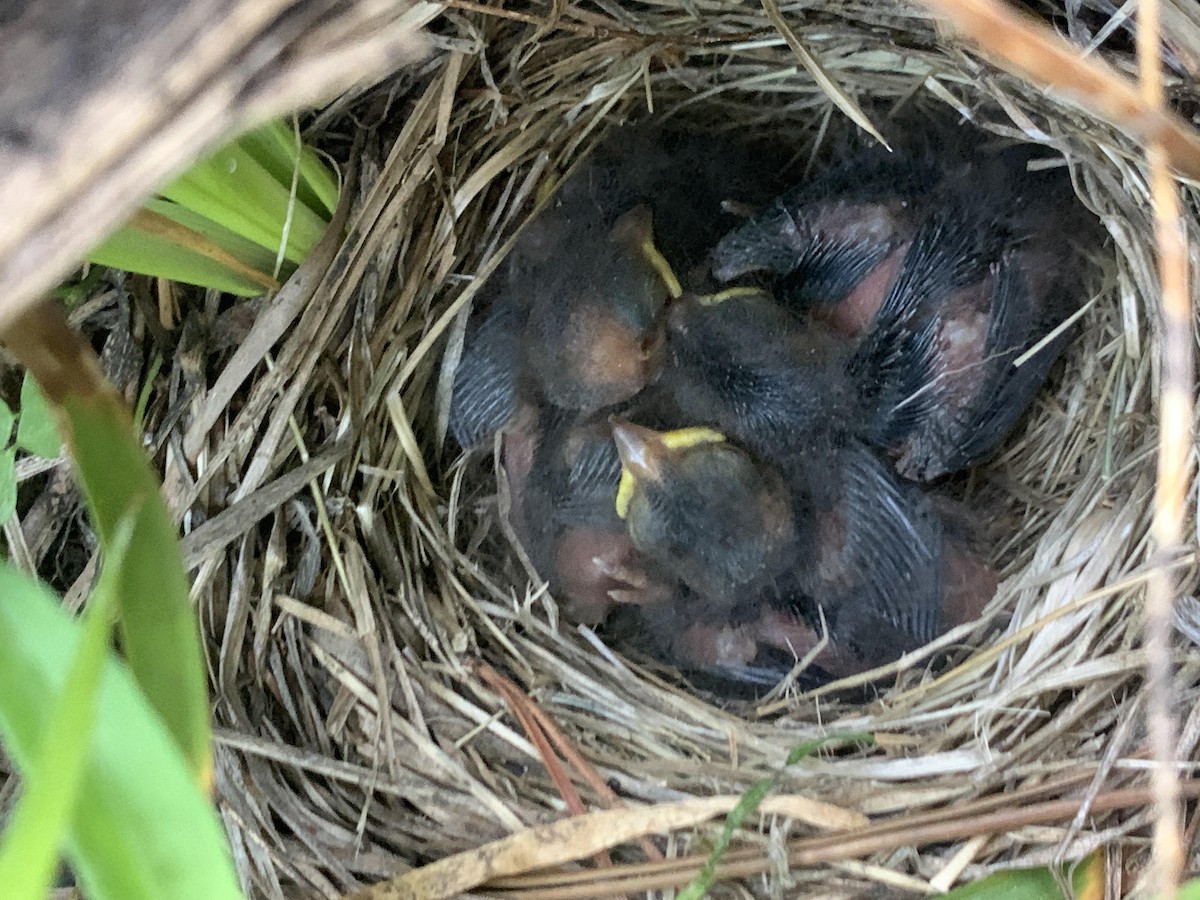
[(1174, 451)]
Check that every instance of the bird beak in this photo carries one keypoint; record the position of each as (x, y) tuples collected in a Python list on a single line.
[(729, 294), (640, 450), (636, 230)]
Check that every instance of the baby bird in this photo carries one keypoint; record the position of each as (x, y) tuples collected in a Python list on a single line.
[(837, 240), (485, 395), (594, 334), (788, 628), (951, 273), (871, 553), (581, 331), (968, 306), (575, 312), (740, 362), (855, 548), (702, 508), (570, 527), (744, 365)]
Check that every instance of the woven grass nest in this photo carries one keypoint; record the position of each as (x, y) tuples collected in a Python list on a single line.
[(357, 629)]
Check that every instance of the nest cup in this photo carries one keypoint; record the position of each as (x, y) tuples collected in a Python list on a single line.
[(360, 735)]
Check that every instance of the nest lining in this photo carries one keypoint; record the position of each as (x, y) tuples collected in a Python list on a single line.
[(357, 736)]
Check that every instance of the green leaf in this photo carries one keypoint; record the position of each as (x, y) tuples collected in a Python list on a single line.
[(274, 146), (143, 400), (1087, 880), (233, 189), (166, 240), (808, 748), (141, 828), (37, 431), (158, 625), (29, 853), (223, 221), (8, 483)]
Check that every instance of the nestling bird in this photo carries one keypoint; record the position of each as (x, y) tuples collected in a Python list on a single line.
[(581, 334), (700, 507), (950, 271), (741, 363), (594, 334), (788, 629), (569, 523), (863, 552), (718, 443), (871, 551), (986, 326), (574, 317), (485, 394), (836, 240)]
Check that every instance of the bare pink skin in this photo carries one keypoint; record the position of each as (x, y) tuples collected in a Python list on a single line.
[(704, 644), (970, 584), (962, 338), (786, 632), (595, 568), (517, 448), (960, 374), (854, 315)]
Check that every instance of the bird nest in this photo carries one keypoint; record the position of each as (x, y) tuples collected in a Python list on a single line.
[(394, 688)]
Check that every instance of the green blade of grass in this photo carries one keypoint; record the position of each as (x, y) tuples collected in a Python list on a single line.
[(750, 801), (29, 851), (160, 635), (8, 464), (7, 418), (233, 189), (274, 147), (158, 625), (168, 241), (141, 829)]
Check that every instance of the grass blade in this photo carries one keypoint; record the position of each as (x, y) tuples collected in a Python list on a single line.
[(8, 483), (751, 800), (157, 623), (274, 147), (36, 431), (141, 828), (29, 852), (232, 188), (168, 241)]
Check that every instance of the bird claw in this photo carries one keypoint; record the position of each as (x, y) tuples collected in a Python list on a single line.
[(639, 590), (620, 572)]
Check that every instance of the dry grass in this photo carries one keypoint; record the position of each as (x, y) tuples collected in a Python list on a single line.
[(353, 575)]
